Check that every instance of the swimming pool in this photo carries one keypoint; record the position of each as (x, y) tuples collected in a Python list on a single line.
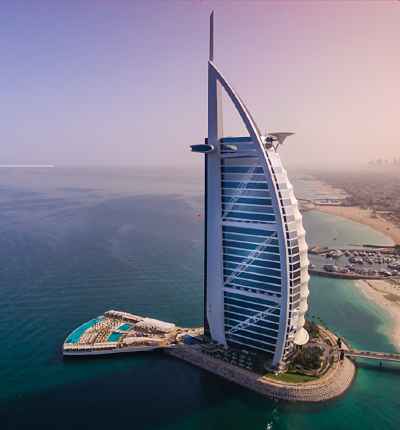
[(125, 327), (78, 332), (114, 337)]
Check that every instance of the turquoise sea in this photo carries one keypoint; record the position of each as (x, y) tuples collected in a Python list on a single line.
[(75, 242)]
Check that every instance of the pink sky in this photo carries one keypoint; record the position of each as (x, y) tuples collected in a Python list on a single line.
[(125, 82)]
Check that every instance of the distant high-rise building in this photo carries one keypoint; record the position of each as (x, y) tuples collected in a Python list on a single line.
[(256, 264)]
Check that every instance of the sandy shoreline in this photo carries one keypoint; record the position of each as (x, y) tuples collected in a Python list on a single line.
[(364, 216), (385, 293), (387, 296)]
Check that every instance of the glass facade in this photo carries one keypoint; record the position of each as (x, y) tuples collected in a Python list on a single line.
[(251, 262), (253, 254)]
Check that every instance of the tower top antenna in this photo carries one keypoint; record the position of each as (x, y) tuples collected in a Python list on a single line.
[(211, 55)]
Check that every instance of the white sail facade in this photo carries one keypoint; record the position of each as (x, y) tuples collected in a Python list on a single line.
[(256, 264)]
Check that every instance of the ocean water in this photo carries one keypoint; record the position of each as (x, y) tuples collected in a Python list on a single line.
[(76, 242)]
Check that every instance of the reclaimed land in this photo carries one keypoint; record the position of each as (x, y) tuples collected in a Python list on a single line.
[(331, 385)]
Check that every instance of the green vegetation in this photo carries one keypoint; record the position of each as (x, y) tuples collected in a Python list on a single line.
[(293, 378), (308, 358)]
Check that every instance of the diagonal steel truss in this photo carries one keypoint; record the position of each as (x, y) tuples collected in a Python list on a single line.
[(250, 258), (253, 319), (240, 189)]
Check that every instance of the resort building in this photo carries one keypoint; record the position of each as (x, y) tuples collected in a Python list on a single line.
[(256, 264)]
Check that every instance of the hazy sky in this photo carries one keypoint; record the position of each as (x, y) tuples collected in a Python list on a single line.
[(125, 82)]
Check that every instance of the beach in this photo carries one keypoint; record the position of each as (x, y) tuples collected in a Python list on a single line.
[(386, 294), (364, 216)]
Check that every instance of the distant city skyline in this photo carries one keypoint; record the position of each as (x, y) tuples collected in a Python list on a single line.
[(123, 83), (380, 161)]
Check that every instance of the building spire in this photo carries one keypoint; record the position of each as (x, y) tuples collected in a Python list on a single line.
[(211, 56)]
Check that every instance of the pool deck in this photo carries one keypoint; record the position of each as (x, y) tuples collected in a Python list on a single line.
[(75, 336), (120, 332)]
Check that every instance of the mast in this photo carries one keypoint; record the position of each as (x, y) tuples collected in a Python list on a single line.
[(213, 270), (211, 54), (214, 94)]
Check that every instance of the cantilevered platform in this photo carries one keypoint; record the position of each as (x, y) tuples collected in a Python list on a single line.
[(121, 332)]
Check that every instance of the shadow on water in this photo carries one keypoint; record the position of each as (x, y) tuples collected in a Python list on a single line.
[(71, 359), (153, 396), (389, 368)]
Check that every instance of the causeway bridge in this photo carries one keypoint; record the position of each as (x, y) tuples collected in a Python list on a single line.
[(380, 356)]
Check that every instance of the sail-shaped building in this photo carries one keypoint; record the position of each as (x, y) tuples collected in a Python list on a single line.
[(256, 264)]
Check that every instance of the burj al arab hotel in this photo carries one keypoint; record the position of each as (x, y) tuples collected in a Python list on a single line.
[(256, 264)]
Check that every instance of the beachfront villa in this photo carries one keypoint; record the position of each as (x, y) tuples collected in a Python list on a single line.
[(256, 264)]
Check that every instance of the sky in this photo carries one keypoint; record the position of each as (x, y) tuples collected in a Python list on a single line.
[(100, 82)]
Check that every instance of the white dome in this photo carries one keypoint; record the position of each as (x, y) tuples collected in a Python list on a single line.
[(302, 337)]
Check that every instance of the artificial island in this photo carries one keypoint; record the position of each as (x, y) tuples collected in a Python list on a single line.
[(255, 277)]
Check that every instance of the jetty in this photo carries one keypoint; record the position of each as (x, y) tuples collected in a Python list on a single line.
[(372, 355)]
